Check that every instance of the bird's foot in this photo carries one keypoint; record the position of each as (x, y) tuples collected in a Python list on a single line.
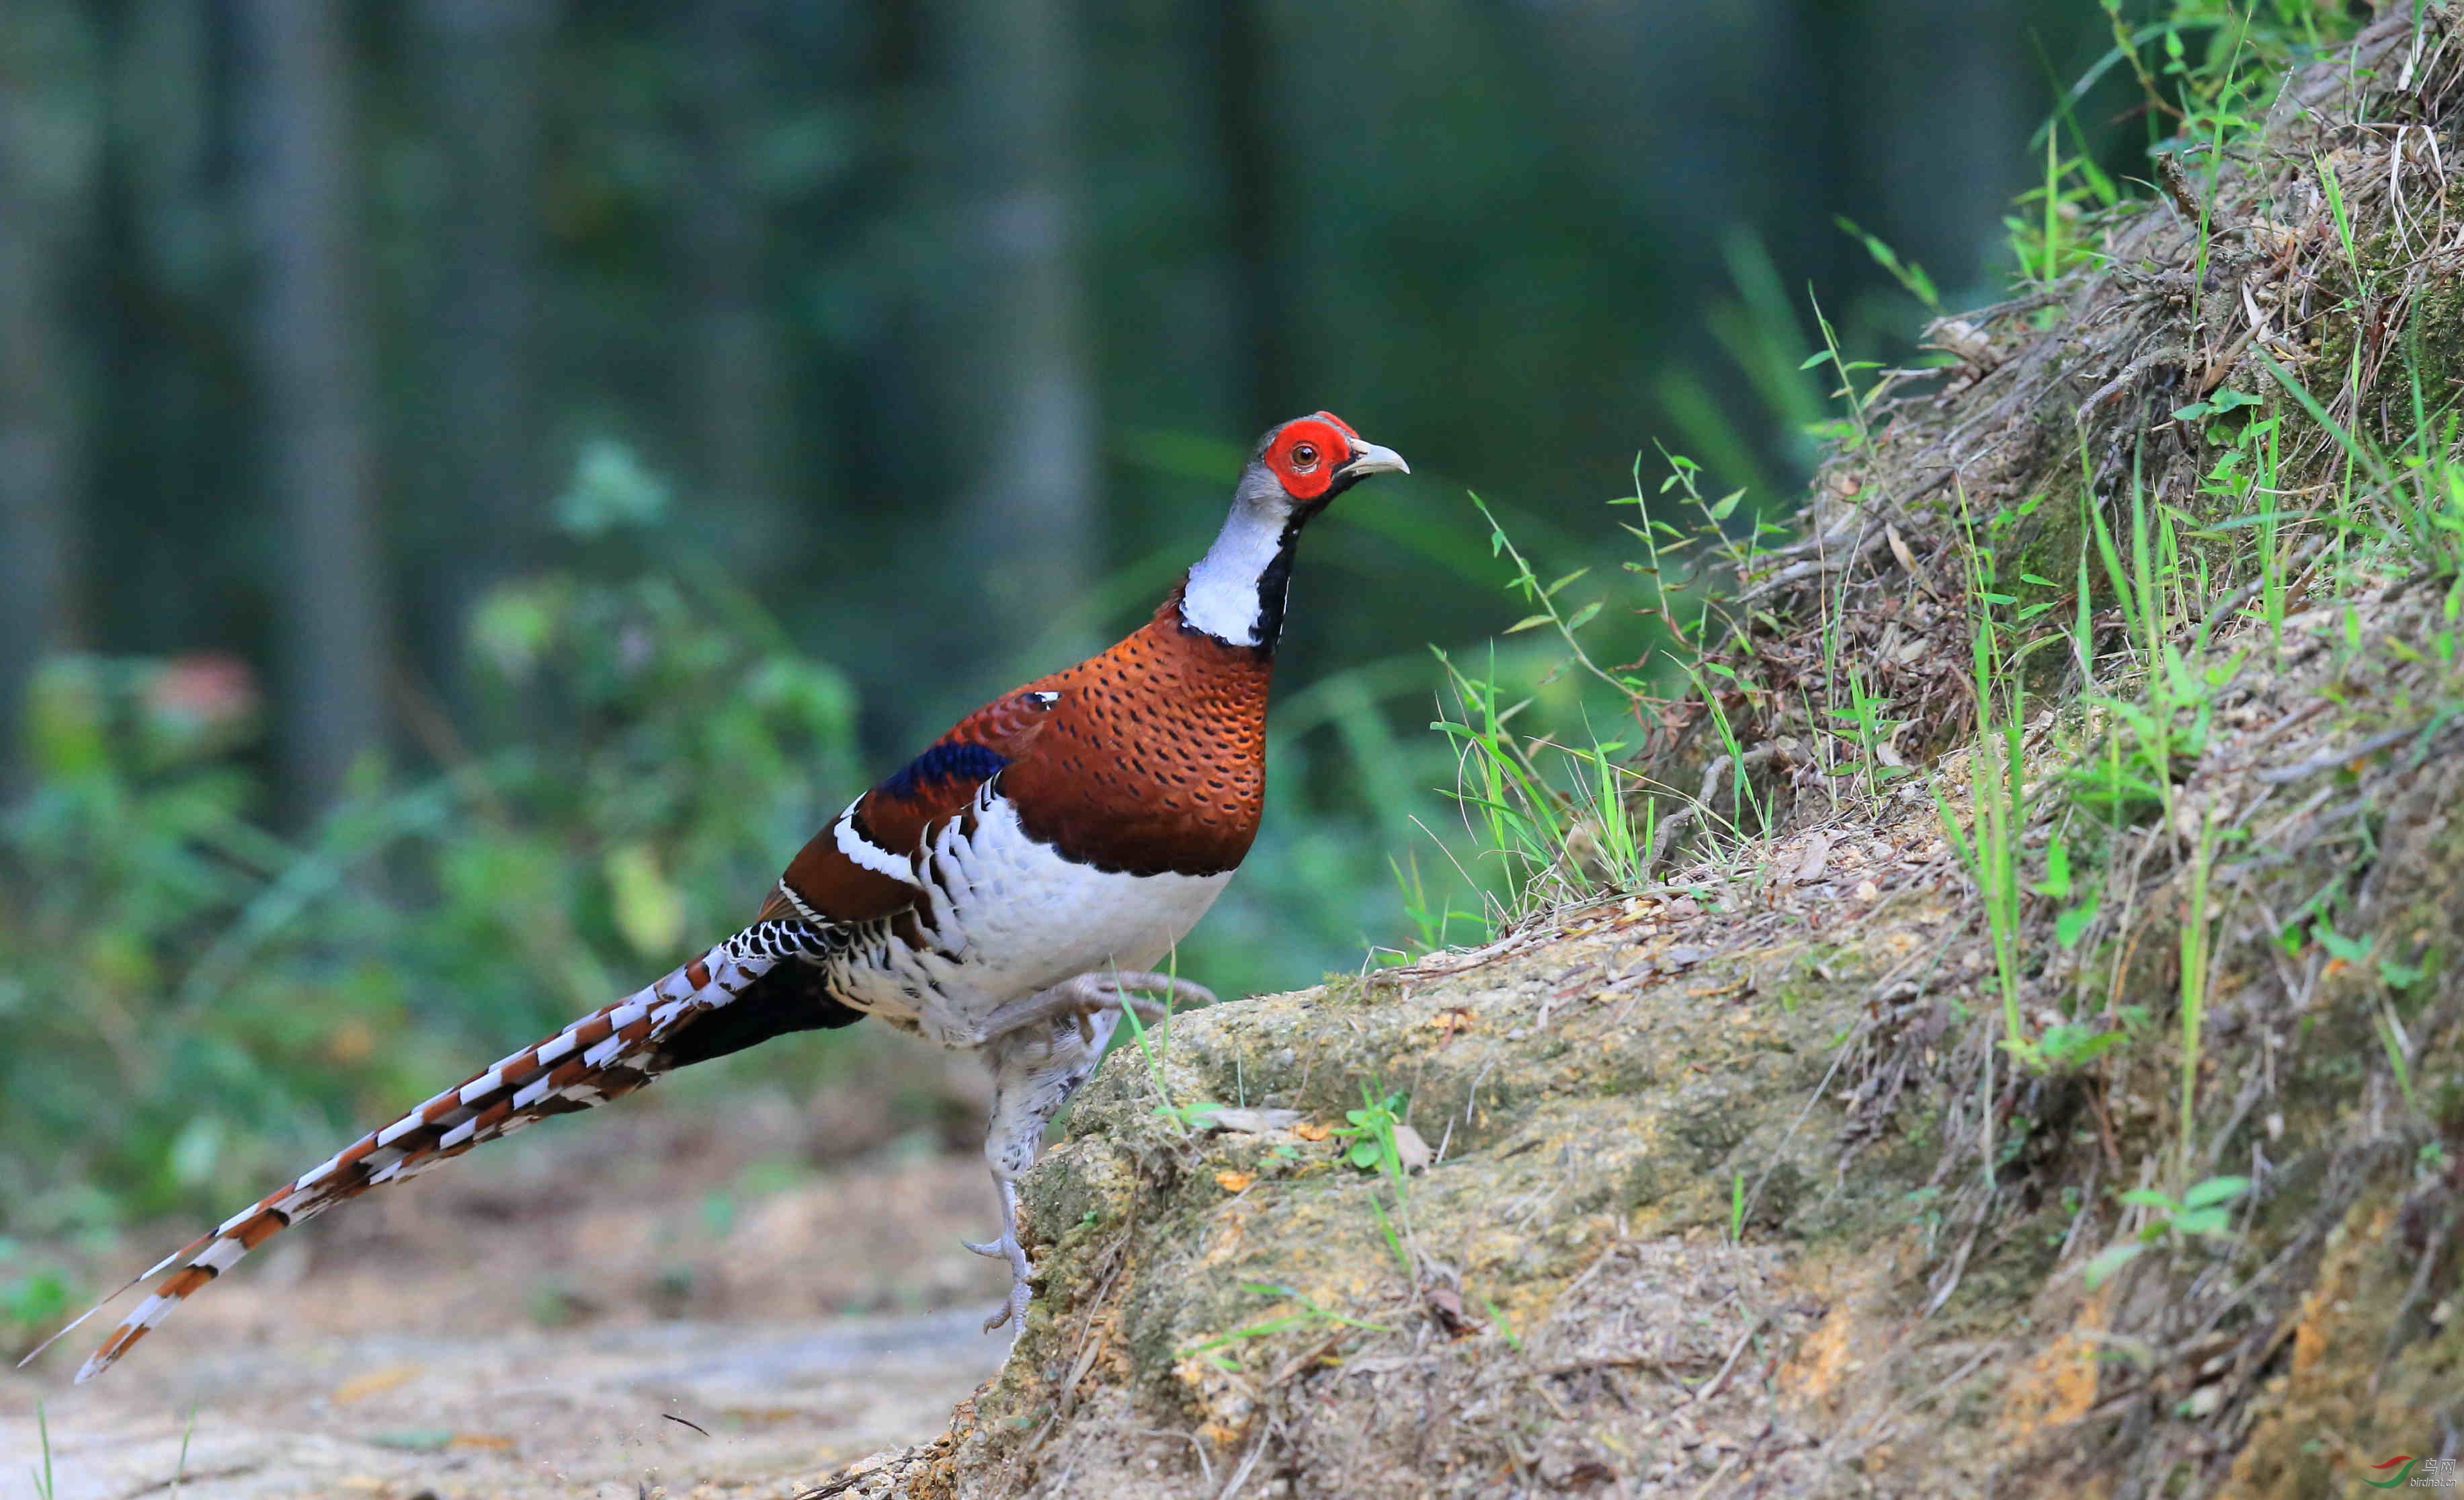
[(1091, 995), (1007, 1248)]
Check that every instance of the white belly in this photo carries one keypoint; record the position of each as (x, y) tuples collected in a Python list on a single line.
[(1005, 917)]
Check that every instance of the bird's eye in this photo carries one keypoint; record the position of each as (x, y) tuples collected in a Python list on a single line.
[(1305, 456)]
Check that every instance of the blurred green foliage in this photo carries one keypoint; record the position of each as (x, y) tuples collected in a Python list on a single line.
[(198, 1005)]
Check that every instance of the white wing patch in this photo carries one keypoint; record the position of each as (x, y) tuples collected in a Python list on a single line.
[(865, 852)]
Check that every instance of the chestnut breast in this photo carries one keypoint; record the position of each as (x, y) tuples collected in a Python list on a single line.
[(1154, 758)]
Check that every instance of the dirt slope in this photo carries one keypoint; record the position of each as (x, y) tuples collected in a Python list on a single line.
[(1583, 1321)]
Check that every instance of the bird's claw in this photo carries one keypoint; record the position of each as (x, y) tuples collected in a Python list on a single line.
[(1012, 1310), (1007, 1248)]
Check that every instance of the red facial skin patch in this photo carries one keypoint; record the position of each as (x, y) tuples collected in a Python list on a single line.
[(1306, 452)]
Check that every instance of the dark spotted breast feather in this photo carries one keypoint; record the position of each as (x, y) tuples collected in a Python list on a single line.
[(1155, 757)]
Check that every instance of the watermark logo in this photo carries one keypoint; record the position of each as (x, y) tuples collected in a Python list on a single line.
[(2414, 1473)]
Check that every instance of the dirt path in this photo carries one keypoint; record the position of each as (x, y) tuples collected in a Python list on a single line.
[(527, 1326), (535, 1414)]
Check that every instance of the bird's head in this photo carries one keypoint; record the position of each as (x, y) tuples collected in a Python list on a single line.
[(1302, 465), (1236, 591)]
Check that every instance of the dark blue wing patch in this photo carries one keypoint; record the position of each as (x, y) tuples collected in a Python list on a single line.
[(943, 762)]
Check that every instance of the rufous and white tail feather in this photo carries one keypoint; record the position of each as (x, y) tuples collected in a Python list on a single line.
[(604, 1055)]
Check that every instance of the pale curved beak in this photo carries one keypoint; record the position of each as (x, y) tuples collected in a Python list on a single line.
[(1370, 458)]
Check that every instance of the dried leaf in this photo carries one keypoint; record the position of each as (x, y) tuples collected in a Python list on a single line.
[(1446, 1304), (1817, 855), (1906, 559), (375, 1382), (1411, 1150), (1234, 1181), (1251, 1122), (1681, 957), (1312, 1131), (1964, 338)]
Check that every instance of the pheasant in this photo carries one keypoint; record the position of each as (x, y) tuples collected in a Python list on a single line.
[(1009, 891)]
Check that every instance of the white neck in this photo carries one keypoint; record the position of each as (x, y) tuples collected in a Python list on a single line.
[(1223, 598)]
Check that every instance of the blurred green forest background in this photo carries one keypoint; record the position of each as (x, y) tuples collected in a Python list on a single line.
[(480, 480)]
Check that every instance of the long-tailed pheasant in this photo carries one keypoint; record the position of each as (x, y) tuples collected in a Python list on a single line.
[(1008, 891)]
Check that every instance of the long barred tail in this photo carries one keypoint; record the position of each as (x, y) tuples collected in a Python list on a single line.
[(603, 1056)]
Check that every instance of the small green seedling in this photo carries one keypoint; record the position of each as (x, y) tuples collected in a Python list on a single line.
[(1504, 1330), (180, 1470), (2059, 884), (1185, 1118), (43, 1476), (1369, 1131), (2199, 1214)]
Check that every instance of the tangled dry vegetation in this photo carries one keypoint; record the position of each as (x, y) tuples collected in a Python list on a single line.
[(2034, 1069)]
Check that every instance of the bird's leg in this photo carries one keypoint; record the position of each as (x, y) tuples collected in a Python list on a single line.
[(1104, 992), (1042, 1047), (1035, 1068)]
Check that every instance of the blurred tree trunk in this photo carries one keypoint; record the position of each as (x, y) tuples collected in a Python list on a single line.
[(1955, 102), (485, 62), (1027, 422), (737, 395), (313, 389), (1691, 113), (1239, 62), (50, 137)]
